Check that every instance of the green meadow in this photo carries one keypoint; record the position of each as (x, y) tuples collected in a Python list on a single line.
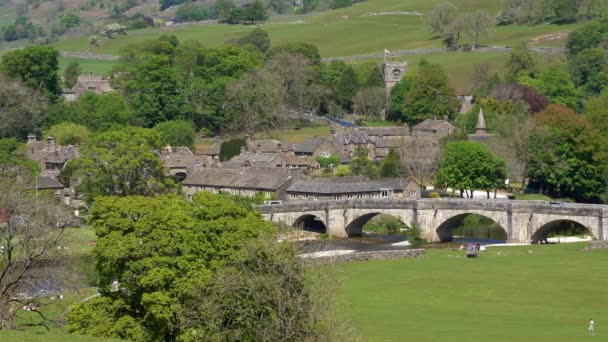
[(527, 293), (343, 32)]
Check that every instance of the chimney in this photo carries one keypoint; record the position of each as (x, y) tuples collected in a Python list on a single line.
[(50, 142), (31, 138)]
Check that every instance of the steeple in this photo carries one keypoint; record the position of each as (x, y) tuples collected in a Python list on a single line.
[(481, 124)]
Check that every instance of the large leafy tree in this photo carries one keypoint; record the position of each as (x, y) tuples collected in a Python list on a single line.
[(390, 165), (121, 162), (37, 67), (362, 165), (161, 250), (177, 133), (68, 133), (22, 109), (347, 88), (429, 95), (469, 166)]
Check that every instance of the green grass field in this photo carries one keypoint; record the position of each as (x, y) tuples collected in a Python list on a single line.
[(7, 15), (88, 65), (528, 293), (343, 32)]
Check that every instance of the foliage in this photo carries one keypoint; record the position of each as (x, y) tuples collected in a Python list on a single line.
[(370, 101), (566, 10), (326, 162), (429, 96), (587, 37), (342, 171), (22, 28), (122, 163), (257, 37), (21, 109), (68, 133), (177, 133), (231, 148), (441, 18), (13, 161), (556, 83), (31, 230), (469, 165), (191, 12), (36, 67), (164, 250), (596, 113), (335, 4), (70, 19), (414, 235), (97, 112), (70, 74), (307, 50), (390, 165), (521, 63), (384, 224), (362, 164), (164, 4), (397, 97), (589, 70), (347, 88)]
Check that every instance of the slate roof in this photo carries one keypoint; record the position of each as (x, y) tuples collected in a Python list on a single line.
[(257, 159), (387, 131), (344, 185), (355, 138), (47, 183), (268, 145), (258, 178), (433, 125), (389, 142), (308, 146), (211, 150), (299, 160)]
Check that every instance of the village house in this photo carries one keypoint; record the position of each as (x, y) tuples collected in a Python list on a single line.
[(98, 85), (180, 161), (212, 151), (431, 127), (51, 156), (340, 188), (383, 145), (375, 133), (245, 181), (316, 146), (267, 146)]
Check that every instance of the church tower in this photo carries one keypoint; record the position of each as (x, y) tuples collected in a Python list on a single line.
[(481, 124), (393, 73)]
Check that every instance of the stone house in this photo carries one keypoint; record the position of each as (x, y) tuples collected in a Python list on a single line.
[(430, 127), (375, 133), (180, 161), (277, 159), (348, 141), (383, 145), (212, 151), (267, 146), (316, 146), (96, 84), (51, 156), (341, 188), (245, 181)]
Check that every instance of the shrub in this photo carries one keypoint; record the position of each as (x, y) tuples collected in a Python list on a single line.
[(335, 4), (231, 148)]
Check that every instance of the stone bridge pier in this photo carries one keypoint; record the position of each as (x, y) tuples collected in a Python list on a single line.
[(523, 221)]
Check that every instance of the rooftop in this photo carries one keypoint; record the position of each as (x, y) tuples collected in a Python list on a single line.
[(344, 185), (258, 178)]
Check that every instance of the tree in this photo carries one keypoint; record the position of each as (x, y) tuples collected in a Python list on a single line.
[(328, 162), (589, 70), (21, 109), (521, 63), (397, 97), (256, 101), (478, 23), (429, 95), (13, 161), (191, 12), (70, 19), (390, 165), (121, 163), (566, 10), (68, 133), (295, 73), (257, 37), (308, 50), (347, 88), (70, 74), (441, 17), (222, 9), (370, 101), (177, 133), (596, 113), (165, 250), (255, 12), (362, 164), (36, 66), (556, 83), (469, 166), (587, 37), (515, 130), (32, 229)]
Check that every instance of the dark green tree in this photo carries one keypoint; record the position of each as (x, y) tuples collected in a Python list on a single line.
[(121, 163), (254, 12), (521, 63), (347, 88), (307, 50), (362, 165), (429, 95), (397, 98), (177, 133), (37, 67), (469, 166), (390, 165), (566, 10), (70, 74), (22, 109), (257, 37)]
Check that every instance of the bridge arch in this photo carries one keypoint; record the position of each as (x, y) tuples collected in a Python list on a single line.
[(570, 226), (311, 223), (444, 232), (355, 227)]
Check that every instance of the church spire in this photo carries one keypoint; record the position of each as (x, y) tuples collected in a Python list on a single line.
[(481, 124)]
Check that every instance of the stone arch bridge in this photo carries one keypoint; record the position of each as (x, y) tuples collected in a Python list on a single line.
[(523, 221)]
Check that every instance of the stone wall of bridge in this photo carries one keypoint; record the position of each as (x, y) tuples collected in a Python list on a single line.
[(523, 221)]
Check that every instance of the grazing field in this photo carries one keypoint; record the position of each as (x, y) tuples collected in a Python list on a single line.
[(98, 67), (527, 293), (344, 32)]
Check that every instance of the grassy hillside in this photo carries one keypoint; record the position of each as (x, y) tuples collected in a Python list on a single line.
[(343, 32), (528, 293), (7, 15)]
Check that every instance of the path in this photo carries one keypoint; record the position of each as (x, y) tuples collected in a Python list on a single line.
[(398, 53)]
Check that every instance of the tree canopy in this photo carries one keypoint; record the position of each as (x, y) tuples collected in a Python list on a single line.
[(37, 67)]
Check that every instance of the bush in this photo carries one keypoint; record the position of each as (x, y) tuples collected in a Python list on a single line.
[(191, 12), (335, 4), (434, 195), (384, 224), (177, 133), (328, 162), (414, 235), (231, 148)]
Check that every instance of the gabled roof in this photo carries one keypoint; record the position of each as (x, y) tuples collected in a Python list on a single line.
[(46, 183), (345, 185), (268, 145), (433, 125), (256, 178), (390, 142), (211, 150), (387, 131), (355, 138), (309, 145)]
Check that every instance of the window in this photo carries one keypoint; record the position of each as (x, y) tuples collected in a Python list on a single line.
[(325, 154), (293, 196), (316, 197), (350, 196), (386, 193), (337, 197)]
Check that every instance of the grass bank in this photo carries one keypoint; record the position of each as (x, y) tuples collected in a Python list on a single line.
[(528, 293)]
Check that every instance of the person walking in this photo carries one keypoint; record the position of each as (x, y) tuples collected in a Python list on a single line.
[(591, 327)]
